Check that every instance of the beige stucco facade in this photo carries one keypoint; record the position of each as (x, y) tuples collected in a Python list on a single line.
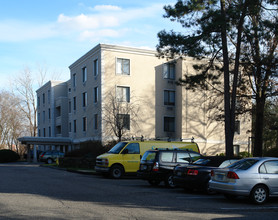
[(138, 79)]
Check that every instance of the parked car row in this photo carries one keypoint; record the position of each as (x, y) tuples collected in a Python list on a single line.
[(180, 164), (256, 178)]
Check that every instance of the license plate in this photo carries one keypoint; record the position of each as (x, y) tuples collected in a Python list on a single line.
[(219, 177)]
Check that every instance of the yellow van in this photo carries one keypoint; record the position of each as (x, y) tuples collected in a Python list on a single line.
[(125, 156)]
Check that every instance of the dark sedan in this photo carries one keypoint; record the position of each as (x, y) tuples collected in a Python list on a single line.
[(197, 175)]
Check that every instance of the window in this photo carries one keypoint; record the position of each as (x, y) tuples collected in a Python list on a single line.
[(43, 116), (169, 71), (39, 101), (58, 111), (43, 98), (123, 94), (95, 121), (169, 97), (84, 124), (58, 129), (95, 70), (74, 126), (236, 150), (167, 156), (74, 80), (237, 127), (39, 118), (69, 106), (95, 94), (84, 99), (44, 132), (123, 121), (84, 74), (49, 114), (70, 127), (123, 66), (183, 157), (48, 96), (132, 148), (49, 131), (169, 124), (39, 132), (74, 103), (271, 167)]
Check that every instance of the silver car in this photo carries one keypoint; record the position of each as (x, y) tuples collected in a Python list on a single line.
[(256, 178)]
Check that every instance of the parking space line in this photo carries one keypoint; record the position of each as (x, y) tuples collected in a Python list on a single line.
[(197, 197), (251, 208)]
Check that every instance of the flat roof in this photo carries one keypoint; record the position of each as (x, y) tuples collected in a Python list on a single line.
[(45, 140)]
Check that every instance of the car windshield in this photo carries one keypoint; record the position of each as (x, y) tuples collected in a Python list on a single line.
[(243, 164), (117, 148), (149, 156)]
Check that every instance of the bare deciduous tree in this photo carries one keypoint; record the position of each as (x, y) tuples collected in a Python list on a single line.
[(118, 116)]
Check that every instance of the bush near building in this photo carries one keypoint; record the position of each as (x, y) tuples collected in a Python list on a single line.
[(7, 156), (85, 156), (273, 152)]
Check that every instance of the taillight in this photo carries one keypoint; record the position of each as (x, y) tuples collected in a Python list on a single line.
[(212, 173), (156, 166), (192, 172), (42, 154), (232, 175)]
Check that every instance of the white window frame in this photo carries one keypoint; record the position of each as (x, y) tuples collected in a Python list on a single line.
[(169, 97), (169, 71), (122, 66), (123, 93)]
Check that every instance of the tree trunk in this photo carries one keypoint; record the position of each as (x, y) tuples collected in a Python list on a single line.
[(259, 125), (227, 99)]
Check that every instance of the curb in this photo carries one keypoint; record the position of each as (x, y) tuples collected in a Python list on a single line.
[(85, 172)]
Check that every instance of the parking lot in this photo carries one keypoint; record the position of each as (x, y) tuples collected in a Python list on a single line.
[(28, 191)]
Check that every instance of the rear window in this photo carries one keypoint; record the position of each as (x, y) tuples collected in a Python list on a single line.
[(243, 164), (149, 156), (167, 156)]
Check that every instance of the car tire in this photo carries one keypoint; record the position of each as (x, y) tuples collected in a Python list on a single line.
[(116, 172), (49, 160), (169, 181), (230, 196), (259, 194), (154, 182)]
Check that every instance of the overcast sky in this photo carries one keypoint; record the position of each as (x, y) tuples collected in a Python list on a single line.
[(53, 34)]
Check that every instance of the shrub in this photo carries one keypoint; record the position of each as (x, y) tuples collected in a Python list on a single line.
[(8, 156), (85, 156), (273, 152)]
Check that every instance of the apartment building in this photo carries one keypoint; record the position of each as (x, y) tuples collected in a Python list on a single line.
[(140, 88), (52, 112)]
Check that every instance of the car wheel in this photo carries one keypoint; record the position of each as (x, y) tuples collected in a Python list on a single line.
[(154, 182), (230, 196), (169, 181), (259, 194), (116, 171), (49, 160)]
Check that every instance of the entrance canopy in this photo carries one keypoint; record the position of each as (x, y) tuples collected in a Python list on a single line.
[(45, 140)]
